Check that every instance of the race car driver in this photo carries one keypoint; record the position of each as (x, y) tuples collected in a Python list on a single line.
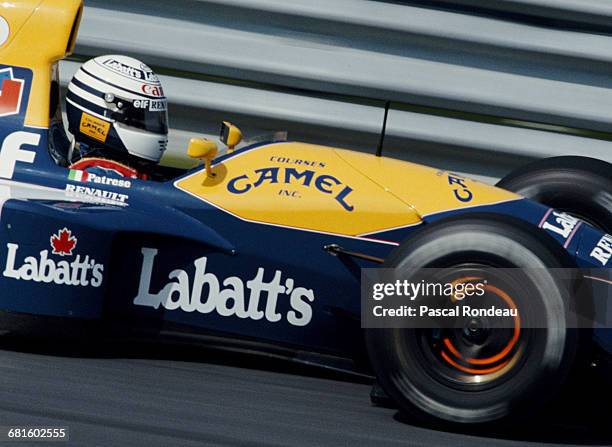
[(118, 118)]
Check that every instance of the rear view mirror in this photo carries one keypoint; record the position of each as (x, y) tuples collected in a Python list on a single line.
[(230, 135), (204, 150)]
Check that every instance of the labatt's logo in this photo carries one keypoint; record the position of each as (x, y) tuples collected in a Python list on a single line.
[(325, 183), (256, 299), (562, 224), (81, 271), (144, 73)]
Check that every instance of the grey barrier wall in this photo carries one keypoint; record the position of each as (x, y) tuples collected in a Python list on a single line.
[(469, 85)]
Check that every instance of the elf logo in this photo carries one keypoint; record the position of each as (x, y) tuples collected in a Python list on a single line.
[(11, 90)]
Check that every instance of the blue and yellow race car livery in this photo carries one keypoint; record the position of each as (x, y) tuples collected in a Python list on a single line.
[(264, 245)]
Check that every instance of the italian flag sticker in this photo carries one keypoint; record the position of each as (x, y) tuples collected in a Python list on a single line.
[(77, 175)]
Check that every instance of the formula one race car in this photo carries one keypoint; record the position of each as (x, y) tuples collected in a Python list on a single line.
[(262, 247)]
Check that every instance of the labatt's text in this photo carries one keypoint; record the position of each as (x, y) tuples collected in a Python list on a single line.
[(82, 271), (227, 297)]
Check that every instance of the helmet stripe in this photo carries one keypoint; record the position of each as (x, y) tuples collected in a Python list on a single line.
[(103, 86), (86, 95), (85, 105), (88, 88)]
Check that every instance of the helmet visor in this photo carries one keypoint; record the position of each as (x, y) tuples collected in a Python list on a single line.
[(147, 114)]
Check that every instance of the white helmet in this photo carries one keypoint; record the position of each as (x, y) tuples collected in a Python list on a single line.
[(116, 104)]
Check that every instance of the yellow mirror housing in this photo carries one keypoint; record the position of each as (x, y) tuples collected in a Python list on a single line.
[(230, 135), (204, 150)]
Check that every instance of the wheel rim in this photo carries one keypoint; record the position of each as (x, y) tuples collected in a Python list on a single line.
[(475, 353)]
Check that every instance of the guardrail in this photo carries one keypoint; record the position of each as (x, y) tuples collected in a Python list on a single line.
[(469, 86)]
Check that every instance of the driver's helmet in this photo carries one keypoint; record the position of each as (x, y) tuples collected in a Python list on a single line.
[(117, 109)]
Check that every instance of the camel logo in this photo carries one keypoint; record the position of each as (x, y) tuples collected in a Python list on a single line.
[(11, 90)]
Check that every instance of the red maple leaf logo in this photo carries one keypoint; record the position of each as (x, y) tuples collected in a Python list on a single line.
[(63, 242)]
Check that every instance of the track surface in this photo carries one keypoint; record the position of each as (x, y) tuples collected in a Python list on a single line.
[(173, 396)]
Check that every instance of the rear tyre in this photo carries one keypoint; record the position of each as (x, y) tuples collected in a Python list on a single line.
[(580, 186), (504, 375)]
